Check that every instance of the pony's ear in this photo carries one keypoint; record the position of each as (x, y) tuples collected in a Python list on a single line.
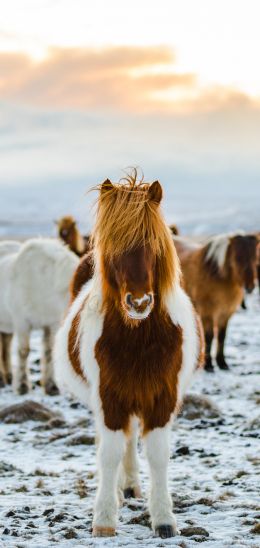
[(106, 185), (155, 192)]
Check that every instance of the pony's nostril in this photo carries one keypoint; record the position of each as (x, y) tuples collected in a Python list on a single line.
[(128, 299), (150, 298)]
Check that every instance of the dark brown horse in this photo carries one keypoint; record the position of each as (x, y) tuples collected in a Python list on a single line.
[(215, 275)]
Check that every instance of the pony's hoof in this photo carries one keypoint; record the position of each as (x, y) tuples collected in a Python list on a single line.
[(165, 531), (9, 378), (209, 368), (23, 389), (223, 366), (103, 531), (129, 493), (2, 382), (132, 492), (51, 388)]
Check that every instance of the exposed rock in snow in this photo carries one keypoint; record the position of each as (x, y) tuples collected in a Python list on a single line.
[(28, 410)]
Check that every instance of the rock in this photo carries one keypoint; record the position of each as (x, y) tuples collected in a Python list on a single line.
[(193, 530), (59, 517), (205, 501), (81, 488), (184, 450), (70, 533), (48, 511), (7, 469), (252, 426), (10, 514), (181, 501), (256, 529), (27, 411), (142, 519), (81, 439), (198, 407), (57, 422)]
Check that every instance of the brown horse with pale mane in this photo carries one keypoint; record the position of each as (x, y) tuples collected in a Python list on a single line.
[(128, 347), (215, 275)]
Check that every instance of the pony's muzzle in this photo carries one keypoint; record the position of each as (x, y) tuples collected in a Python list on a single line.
[(64, 232), (139, 308)]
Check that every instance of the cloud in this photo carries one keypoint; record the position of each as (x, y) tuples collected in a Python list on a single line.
[(81, 78), (130, 79)]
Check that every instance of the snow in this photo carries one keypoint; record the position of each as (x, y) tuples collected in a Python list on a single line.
[(48, 483)]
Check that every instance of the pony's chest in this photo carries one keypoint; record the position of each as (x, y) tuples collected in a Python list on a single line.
[(138, 360), (139, 374)]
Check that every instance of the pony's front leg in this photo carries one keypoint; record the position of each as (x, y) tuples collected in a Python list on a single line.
[(220, 358), (157, 444), (22, 384), (2, 369), (110, 454), (131, 484), (49, 385), (7, 342), (209, 336)]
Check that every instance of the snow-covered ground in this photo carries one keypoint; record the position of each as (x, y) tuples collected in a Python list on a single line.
[(48, 470)]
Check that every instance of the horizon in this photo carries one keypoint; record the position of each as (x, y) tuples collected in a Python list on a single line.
[(85, 93)]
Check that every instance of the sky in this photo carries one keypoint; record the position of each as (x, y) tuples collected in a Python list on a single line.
[(90, 88)]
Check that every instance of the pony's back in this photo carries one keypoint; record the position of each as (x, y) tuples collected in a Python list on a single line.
[(39, 281), (8, 246), (7, 259)]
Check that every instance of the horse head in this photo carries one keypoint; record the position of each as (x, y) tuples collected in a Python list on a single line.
[(243, 251), (137, 255)]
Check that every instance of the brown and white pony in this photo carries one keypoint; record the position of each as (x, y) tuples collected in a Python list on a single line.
[(70, 234), (129, 346), (215, 275)]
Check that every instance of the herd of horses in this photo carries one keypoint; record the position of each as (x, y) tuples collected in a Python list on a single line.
[(125, 316)]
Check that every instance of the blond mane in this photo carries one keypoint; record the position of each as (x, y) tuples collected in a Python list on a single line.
[(127, 218)]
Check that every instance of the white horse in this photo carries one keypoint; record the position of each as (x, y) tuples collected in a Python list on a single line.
[(34, 280), (7, 247)]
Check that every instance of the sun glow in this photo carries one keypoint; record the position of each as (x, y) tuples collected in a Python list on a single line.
[(218, 41)]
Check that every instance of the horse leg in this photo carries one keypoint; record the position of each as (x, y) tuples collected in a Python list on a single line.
[(131, 483), (209, 336), (157, 444), (220, 359), (22, 382), (7, 341), (2, 369), (47, 367), (110, 454)]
